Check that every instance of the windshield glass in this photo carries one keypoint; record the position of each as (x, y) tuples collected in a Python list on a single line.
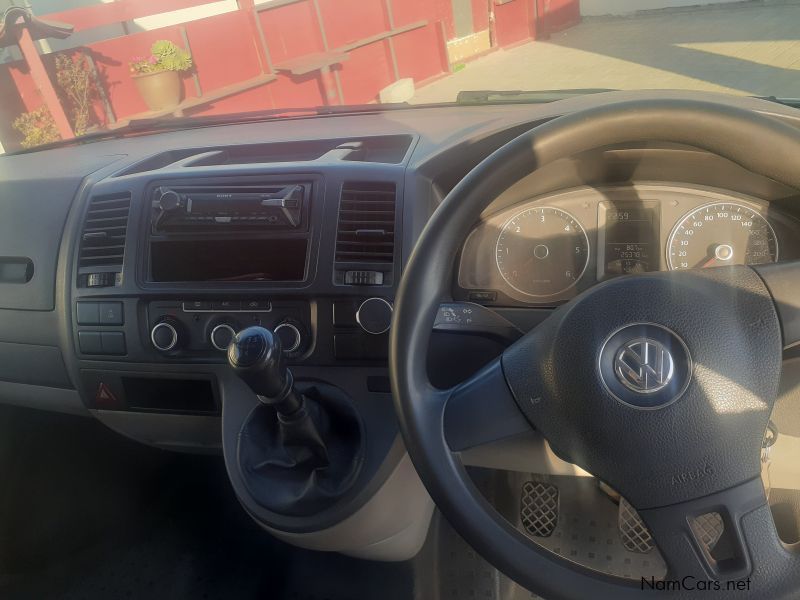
[(86, 67)]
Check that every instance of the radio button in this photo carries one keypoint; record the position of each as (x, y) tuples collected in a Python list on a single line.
[(89, 342), (192, 305), (226, 305), (111, 313), (344, 314), (113, 342), (259, 305), (88, 313)]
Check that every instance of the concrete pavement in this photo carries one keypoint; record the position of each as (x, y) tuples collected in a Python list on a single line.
[(747, 48)]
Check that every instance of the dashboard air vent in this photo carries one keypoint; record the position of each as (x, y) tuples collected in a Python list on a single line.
[(366, 226), (103, 236)]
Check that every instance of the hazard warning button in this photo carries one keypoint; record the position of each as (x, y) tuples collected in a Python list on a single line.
[(104, 397)]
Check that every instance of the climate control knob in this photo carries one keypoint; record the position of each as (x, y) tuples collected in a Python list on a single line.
[(291, 337), (222, 335), (166, 335)]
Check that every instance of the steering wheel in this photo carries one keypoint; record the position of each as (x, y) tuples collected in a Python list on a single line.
[(683, 437)]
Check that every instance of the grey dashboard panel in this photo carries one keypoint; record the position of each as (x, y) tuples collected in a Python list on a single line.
[(33, 365), (41, 397), (33, 217), (36, 195), (34, 203)]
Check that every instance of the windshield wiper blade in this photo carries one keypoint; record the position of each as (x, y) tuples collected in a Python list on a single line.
[(522, 96), (793, 102)]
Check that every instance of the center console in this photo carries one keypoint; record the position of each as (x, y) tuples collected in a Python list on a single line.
[(228, 234), (176, 260)]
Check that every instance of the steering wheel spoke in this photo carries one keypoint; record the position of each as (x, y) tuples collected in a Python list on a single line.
[(783, 282), (482, 411), (721, 537)]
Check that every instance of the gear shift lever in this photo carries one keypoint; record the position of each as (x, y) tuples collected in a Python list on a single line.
[(298, 453), (257, 357)]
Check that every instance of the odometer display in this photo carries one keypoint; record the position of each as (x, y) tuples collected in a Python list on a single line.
[(542, 251), (721, 234)]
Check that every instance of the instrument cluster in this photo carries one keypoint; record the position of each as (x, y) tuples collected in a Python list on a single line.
[(546, 250)]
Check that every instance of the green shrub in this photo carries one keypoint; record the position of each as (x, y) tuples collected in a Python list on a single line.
[(76, 82), (37, 127), (165, 56)]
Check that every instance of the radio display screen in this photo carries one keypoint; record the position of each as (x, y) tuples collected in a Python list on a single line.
[(628, 237), (228, 261)]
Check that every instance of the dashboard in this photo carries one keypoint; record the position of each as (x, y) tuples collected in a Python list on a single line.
[(545, 250), (126, 265)]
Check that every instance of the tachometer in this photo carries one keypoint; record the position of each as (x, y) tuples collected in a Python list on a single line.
[(725, 233), (542, 251)]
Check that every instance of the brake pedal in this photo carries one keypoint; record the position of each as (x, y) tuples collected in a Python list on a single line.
[(634, 533)]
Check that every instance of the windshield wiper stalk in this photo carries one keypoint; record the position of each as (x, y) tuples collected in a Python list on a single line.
[(522, 96)]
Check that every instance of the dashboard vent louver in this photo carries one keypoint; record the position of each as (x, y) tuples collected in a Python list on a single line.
[(366, 227), (103, 236)]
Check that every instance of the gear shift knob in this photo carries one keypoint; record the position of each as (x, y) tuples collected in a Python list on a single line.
[(256, 355)]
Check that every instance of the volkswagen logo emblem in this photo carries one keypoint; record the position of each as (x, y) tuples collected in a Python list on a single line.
[(644, 365)]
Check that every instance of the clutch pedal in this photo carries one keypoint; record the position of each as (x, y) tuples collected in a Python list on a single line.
[(539, 509)]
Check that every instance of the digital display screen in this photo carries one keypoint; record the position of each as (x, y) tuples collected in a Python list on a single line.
[(628, 233)]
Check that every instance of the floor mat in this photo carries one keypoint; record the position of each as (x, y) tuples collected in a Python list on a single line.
[(151, 525), (448, 568)]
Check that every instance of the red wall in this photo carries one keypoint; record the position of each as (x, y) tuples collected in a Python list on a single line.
[(556, 15), (228, 49), (480, 14), (291, 31), (514, 22)]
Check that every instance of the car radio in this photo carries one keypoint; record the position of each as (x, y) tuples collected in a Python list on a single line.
[(279, 206), (230, 232)]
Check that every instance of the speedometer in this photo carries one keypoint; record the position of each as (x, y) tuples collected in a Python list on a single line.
[(542, 251), (725, 233)]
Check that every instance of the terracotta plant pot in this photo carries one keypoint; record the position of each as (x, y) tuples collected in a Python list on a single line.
[(159, 91)]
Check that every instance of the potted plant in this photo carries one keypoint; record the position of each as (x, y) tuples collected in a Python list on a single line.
[(157, 77)]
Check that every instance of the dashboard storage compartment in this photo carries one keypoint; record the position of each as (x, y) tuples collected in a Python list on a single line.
[(170, 393), (228, 260)]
